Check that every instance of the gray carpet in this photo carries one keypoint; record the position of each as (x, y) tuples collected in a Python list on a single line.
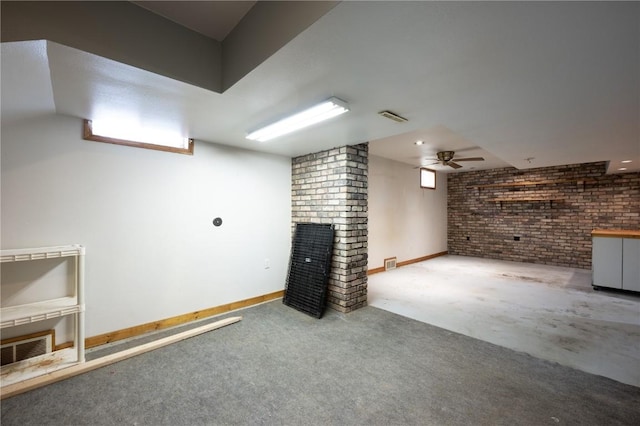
[(278, 366)]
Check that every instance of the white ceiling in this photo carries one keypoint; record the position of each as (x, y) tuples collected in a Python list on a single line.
[(522, 84)]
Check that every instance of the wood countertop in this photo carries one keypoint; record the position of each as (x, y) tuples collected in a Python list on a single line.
[(617, 233)]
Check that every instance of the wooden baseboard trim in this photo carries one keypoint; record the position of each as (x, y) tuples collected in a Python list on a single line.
[(64, 345), (74, 370), (126, 333), (376, 270), (422, 259), (408, 262)]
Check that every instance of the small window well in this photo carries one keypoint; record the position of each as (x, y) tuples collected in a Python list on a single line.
[(123, 134), (427, 178)]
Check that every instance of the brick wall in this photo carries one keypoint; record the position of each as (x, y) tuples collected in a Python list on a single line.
[(331, 187), (553, 218)]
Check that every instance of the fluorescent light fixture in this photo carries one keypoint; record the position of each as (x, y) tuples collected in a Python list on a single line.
[(328, 109), (627, 161)]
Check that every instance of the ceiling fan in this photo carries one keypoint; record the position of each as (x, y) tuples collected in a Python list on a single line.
[(446, 159)]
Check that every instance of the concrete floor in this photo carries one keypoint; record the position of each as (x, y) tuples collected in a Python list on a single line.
[(549, 312)]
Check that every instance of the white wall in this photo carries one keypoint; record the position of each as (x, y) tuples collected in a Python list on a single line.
[(146, 219), (405, 221)]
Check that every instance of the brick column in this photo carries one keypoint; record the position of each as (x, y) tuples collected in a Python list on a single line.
[(331, 187)]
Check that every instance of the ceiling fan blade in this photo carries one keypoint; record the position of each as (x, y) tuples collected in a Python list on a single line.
[(454, 165), (470, 159), (426, 165)]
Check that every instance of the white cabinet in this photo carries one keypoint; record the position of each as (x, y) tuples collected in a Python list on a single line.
[(616, 259), (71, 304), (607, 262), (631, 264)]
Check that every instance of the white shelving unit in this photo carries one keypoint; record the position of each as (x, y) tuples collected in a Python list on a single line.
[(11, 316)]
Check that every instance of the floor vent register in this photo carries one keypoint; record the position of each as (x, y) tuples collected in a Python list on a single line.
[(309, 268), (24, 347)]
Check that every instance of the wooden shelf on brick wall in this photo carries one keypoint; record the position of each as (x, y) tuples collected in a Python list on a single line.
[(534, 183), (535, 196), (526, 200)]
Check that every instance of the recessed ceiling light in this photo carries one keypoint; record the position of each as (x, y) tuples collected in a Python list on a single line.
[(622, 169), (627, 161), (422, 142)]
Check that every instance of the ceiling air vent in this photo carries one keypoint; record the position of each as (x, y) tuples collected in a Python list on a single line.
[(392, 116)]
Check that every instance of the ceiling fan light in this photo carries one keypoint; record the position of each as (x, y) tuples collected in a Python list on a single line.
[(447, 158), (445, 155)]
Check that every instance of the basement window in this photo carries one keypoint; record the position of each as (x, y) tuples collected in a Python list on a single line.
[(427, 178), (136, 137)]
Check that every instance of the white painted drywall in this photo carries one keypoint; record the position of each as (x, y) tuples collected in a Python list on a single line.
[(146, 219), (405, 221)]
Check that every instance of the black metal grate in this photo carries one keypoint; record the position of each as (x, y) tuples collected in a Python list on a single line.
[(309, 268)]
